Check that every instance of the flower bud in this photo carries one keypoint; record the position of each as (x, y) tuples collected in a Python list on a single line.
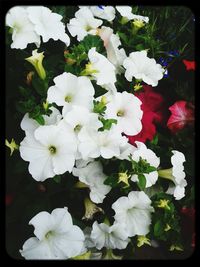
[(36, 60)]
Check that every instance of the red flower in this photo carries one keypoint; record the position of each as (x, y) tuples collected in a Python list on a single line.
[(182, 114), (152, 104), (190, 65)]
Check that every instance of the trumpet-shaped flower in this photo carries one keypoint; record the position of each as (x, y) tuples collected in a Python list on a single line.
[(81, 118), (50, 151), (126, 12), (146, 154), (111, 237), (139, 66), (134, 211), (112, 42), (176, 174), (100, 68), (30, 125), (92, 175), (36, 60), (55, 237), (47, 24), (22, 28), (83, 24), (71, 90), (125, 108)]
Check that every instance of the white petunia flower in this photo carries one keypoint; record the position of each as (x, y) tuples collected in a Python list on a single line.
[(151, 158), (139, 66), (47, 24), (115, 54), (22, 28), (56, 237), (125, 107), (103, 12), (71, 90), (80, 118), (94, 144), (100, 68), (140, 18), (176, 174), (83, 24), (93, 176), (125, 11), (50, 151), (30, 125), (111, 237), (112, 42), (134, 211)]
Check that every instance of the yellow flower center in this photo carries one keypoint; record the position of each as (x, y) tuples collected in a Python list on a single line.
[(120, 113), (68, 98), (52, 149)]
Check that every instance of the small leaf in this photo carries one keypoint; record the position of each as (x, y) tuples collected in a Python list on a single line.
[(99, 107), (155, 140), (142, 181), (39, 85), (150, 169), (111, 180), (57, 178), (107, 123), (158, 228)]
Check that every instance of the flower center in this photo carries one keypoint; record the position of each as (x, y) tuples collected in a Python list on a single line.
[(52, 149), (77, 128), (68, 98), (88, 28), (120, 113), (48, 234)]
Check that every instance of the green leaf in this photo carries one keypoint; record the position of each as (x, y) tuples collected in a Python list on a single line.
[(57, 179), (142, 181), (99, 107), (155, 140), (107, 123), (93, 41), (150, 169), (139, 47), (158, 228), (123, 37), (39, 85), (111, 180)]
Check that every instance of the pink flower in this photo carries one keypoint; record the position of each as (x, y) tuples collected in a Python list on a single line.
[(152, 104), (182, 113)]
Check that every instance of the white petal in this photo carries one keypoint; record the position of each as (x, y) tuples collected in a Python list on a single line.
[(62, 219), (33, 249), (70, 244), (42, 223)]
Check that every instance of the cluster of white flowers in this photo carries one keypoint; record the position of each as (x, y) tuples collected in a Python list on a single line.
[(72, 139), (27, 24)]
